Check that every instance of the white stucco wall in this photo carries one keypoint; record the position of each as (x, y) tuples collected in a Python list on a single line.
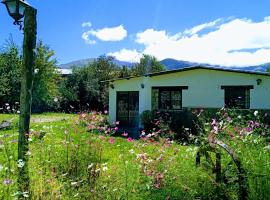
[(204, 88)]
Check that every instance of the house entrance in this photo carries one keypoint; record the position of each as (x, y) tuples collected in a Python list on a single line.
[(128, 109)]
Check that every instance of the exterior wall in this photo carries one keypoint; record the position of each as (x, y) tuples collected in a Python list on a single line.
[(204, 88)]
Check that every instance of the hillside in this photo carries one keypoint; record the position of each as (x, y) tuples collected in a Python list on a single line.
[(169, 63)]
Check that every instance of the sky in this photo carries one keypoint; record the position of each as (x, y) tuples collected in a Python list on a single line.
[(223, 32)]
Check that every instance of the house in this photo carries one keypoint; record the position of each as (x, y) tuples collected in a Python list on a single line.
[(194, 87)]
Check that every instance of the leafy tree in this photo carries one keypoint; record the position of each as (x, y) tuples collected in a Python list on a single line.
[(46, 79), (124, 72), (84, 87), (147, 64), (10, 66)]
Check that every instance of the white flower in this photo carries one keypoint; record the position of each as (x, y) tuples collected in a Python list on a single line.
[(25, 194), (105, 168), (30, 139), (74, 183), (20, 163), (55, 99), (1, 167), (90, 166), (256, 113), (131, 151)]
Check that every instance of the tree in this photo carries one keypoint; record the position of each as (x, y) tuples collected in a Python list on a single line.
[(148, 64), (84, 87), (10, 68), (46, 79)]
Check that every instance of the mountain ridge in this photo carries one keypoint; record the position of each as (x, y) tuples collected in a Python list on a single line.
[(170, 64)]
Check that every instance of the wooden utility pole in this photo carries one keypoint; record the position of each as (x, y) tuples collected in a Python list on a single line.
[(29, 45)]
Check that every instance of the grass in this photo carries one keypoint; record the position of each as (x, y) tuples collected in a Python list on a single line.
[(67, 161)]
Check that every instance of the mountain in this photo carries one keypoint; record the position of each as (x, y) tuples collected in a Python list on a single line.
[(170, 64), (83, 62)]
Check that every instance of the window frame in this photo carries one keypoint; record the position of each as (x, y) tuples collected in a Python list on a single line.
[(170, 89), (246, 100)]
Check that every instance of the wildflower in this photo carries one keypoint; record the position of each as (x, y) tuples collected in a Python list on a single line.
[(256, 113), (7, 182), (90, 166), (229, 119), (18, 112), (106, 112), (111, 141), (143, 133), (74, 183), (25, 194), (20, 163), (55, 99), (214, 122), (125, 134), (1, 167), (117, 123), (130, 139), (131, 151), (105, 168)]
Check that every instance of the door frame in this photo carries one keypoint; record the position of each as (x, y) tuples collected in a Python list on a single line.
[(117, 99)]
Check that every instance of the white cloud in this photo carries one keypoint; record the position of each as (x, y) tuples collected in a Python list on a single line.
[(127, 55), (86, 24), (106, 34), (117, 33), (228, 44), (85, 37)]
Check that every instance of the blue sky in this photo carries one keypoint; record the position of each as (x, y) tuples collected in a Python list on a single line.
[(226, 32)]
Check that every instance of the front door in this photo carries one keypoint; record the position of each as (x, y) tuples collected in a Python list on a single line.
[(128, 109)]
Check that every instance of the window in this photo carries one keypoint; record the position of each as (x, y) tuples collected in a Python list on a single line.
[(167, 98), (237, 96)]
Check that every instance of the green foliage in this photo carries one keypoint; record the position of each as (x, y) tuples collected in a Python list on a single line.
[(73, 157), (10, 66), (147, 64), (46, 79), (85, 86), (45, 86)]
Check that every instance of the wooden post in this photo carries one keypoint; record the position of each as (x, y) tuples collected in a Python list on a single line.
[(29, 45)]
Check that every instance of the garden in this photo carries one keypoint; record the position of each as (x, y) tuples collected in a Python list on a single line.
[(83, 156)]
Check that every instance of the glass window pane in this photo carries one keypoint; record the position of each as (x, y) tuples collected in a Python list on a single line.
[(155, 99), (165, 100)]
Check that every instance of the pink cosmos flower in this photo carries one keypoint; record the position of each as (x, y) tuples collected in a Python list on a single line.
[(130, 139), (111, 141), (125, 134)]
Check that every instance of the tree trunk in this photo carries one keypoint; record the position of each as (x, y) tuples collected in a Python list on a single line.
[(29, 45)]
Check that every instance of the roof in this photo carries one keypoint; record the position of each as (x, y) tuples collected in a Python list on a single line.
[(192, 68)]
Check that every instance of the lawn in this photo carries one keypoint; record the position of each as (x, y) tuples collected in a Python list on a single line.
[(69, 158)]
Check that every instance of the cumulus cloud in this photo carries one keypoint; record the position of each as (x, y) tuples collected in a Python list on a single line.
[(111, 34), (127, 55), (86, 38), (228, 45)]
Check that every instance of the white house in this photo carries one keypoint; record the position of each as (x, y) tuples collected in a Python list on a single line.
[(194, 87)]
